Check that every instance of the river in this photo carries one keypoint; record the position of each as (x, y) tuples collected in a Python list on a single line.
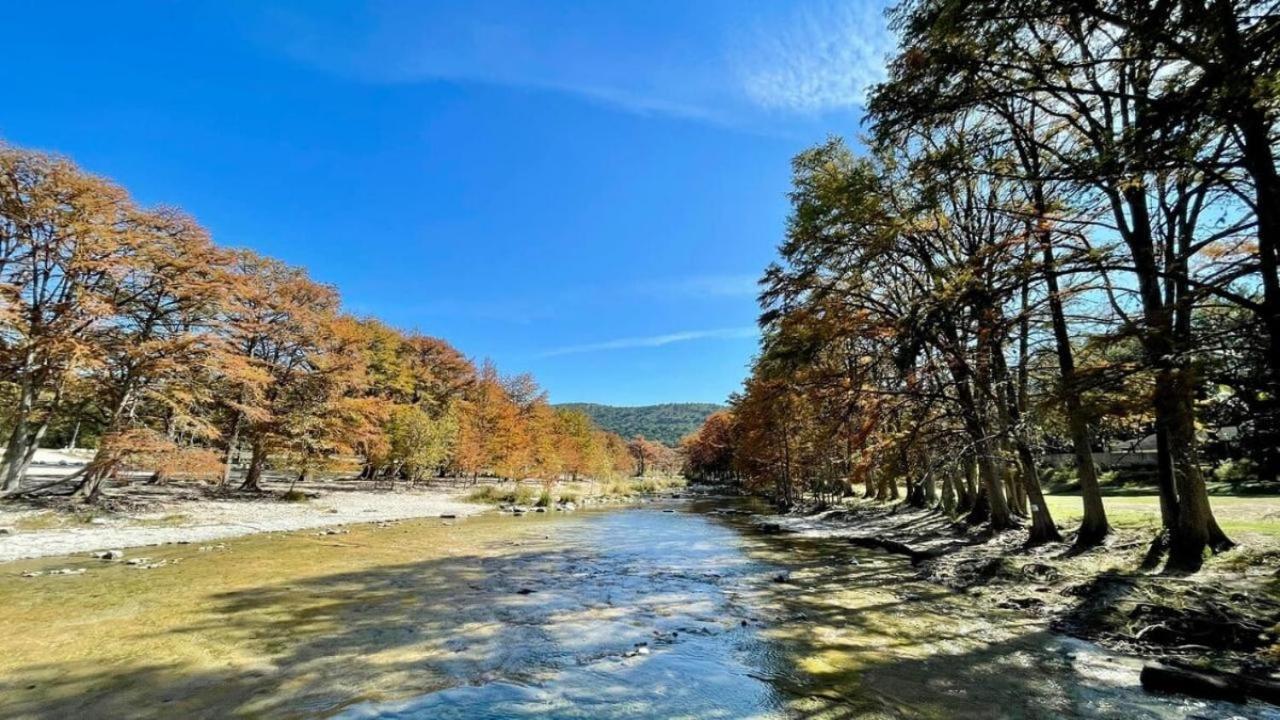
[(667, 610)]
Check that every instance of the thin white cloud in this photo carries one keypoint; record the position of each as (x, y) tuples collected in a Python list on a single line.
[(654, 340), (824, 58), (723, 63), (511, 311)]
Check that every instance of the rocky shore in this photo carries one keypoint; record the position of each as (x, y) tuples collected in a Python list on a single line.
[(1214, 634), (180, 515)]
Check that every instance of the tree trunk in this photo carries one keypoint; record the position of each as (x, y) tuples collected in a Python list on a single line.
[(948, 494), (1184, 501), (91, 486), (233, 439), (1093, 526), (1259, 161), (19, 437), (1195, 528), (993, 494), (967, 491), (18, 470), (253, 478), (1043, 529)]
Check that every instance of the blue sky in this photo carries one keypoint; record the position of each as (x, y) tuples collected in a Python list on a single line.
[(583, 190)]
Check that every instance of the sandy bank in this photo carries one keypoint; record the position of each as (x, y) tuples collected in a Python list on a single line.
[(180, 516)]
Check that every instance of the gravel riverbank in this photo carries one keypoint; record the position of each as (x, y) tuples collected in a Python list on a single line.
[(183, 517)]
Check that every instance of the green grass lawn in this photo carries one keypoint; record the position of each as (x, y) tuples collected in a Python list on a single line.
[(1252, 514)]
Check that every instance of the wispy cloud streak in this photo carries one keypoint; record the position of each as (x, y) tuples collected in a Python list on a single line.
[(725, 63), (654, 341)]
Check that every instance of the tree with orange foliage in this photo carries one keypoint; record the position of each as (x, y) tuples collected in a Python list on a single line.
[(283, 327), (64, 234), (166, 303), (708, 451), (491, 438)]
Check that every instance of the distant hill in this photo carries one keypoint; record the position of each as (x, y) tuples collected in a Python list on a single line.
[(666, 423)]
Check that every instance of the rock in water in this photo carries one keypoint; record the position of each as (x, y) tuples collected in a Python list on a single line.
[(1163, 678)]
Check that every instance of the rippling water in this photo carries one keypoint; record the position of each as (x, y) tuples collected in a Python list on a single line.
[(680, 613), (635, 614), (666, 610)]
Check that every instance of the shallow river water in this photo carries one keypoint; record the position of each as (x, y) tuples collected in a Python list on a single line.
[(661, 611)]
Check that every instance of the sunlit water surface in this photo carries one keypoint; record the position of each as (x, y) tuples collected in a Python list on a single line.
[(679, 612), (665, 610)]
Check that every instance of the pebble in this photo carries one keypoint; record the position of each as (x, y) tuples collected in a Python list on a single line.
[(62, 571)]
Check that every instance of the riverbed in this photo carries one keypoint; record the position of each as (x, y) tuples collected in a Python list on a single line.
[(664, 610)]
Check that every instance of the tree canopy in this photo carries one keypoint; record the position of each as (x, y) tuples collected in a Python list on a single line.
[(1062, 222), (129, 330)]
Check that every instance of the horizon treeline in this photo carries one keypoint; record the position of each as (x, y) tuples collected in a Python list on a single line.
[(128, 329), (1062, 228)]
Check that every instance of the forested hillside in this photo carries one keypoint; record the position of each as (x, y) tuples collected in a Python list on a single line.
[(665, 423)]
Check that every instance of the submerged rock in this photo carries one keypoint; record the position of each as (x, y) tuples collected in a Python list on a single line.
[(1159, 677)]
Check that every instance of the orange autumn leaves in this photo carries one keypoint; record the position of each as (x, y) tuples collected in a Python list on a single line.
[(170, 353)]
